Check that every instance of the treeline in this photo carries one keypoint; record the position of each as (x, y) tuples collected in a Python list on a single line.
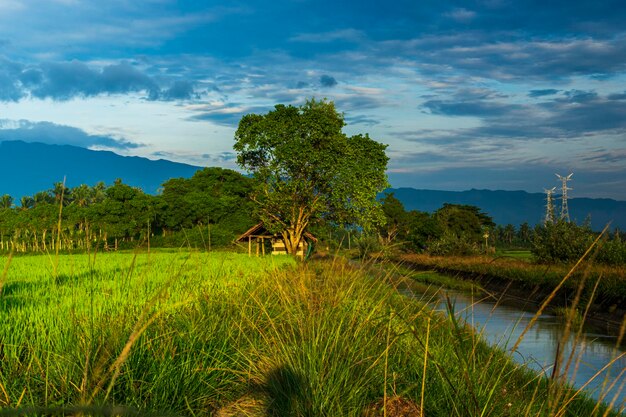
[(210, 208), (465, 230), (453, 229)]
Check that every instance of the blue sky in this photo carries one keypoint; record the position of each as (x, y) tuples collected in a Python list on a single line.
[(497, 94)]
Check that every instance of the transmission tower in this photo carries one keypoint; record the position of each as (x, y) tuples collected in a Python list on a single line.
[(549, 206), (564, 189)]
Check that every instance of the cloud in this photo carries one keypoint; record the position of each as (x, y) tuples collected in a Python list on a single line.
[(223, 159), (474, 102), (64, 81), (346, 35), (327, 81), (226, 114), (617, 96), (541, 93), (362, 120), (51, 133), (461, 15), (180, 90)]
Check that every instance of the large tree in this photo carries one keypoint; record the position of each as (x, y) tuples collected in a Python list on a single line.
[(309, 170)]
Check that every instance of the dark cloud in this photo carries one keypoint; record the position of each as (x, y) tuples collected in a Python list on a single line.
[(67, 80), (180, 90), (541, 93), (10, 87), (603, 156), (229, 115), (475, 102), (514, 57), (362, 120), (50, 133), (575, 115), (617, 96), (476, 108), (327, 81), (578, 96)]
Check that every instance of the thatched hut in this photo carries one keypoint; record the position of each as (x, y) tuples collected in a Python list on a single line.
[(259, 235)]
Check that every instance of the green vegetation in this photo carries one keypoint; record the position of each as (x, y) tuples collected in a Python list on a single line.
[(611, 280), (308, 171), (563, 242), (204, 211), (453, 229), (198, 334)]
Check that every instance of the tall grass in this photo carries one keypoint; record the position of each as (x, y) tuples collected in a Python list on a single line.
[(223, 334)]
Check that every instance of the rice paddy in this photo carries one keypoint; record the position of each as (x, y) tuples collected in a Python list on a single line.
[(196, 333)]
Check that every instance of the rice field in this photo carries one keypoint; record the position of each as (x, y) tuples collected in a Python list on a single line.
[(195, 334)]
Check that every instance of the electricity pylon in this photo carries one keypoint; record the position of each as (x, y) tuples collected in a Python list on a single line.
[(564, 189), (549, 206)]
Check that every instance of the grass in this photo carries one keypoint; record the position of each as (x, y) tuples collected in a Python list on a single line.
[(224, 334), (612, 279)]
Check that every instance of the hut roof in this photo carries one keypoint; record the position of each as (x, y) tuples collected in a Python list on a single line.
[(260, 230)]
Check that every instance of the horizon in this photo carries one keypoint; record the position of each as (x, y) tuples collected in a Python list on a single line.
[(484, 95), (74, 183)]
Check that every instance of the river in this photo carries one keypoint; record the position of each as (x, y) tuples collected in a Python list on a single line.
[(501, 325)]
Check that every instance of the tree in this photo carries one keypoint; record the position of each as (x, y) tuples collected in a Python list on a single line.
[(463, 220), (308, 170), (396, 218), (6, 201)]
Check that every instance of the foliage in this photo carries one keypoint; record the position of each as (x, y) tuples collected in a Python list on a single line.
[(308, 170), (463, 221), (210, 209), (454, 245), (197, 334)]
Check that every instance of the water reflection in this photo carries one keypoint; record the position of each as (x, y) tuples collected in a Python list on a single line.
[(503, 324)]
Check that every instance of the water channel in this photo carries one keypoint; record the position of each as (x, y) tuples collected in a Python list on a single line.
[(501, 324)]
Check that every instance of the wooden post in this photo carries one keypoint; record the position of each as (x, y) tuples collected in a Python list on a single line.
[(257, 246), (263, 245), (249, 245)]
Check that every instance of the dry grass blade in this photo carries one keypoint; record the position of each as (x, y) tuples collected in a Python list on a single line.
[(563, 408)]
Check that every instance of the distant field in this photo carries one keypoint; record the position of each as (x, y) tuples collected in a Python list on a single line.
[(517, 254), (224, 334)]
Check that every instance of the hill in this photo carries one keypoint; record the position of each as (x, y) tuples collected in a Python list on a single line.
[(31, 167), (516, 207)]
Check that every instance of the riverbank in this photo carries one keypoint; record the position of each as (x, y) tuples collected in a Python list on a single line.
[(199, 334), (527, 283)]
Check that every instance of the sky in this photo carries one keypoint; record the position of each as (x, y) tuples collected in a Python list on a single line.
[(487, 94)]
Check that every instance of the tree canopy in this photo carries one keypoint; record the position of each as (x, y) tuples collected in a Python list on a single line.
[(307, 170)]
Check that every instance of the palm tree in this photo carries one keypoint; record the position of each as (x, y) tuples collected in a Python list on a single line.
[(43, 197), (99, 192), (27, 202), (61, 193), (6, 201), (82, 195)]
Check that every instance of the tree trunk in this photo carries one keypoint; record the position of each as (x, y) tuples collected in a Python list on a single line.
[(292, 240)]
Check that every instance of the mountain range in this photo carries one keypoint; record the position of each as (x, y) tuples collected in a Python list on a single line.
[(27, 168)]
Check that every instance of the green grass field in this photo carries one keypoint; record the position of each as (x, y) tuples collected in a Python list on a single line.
[(223, 334)]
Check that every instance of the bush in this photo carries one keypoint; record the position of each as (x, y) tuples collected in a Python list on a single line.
[(451, 244), (567, 242), (561, 241)]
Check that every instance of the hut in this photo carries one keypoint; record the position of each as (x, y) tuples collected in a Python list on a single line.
[(259, 235)]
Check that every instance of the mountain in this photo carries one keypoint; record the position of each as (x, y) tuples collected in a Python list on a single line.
[(26, 168), (517, 207)]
